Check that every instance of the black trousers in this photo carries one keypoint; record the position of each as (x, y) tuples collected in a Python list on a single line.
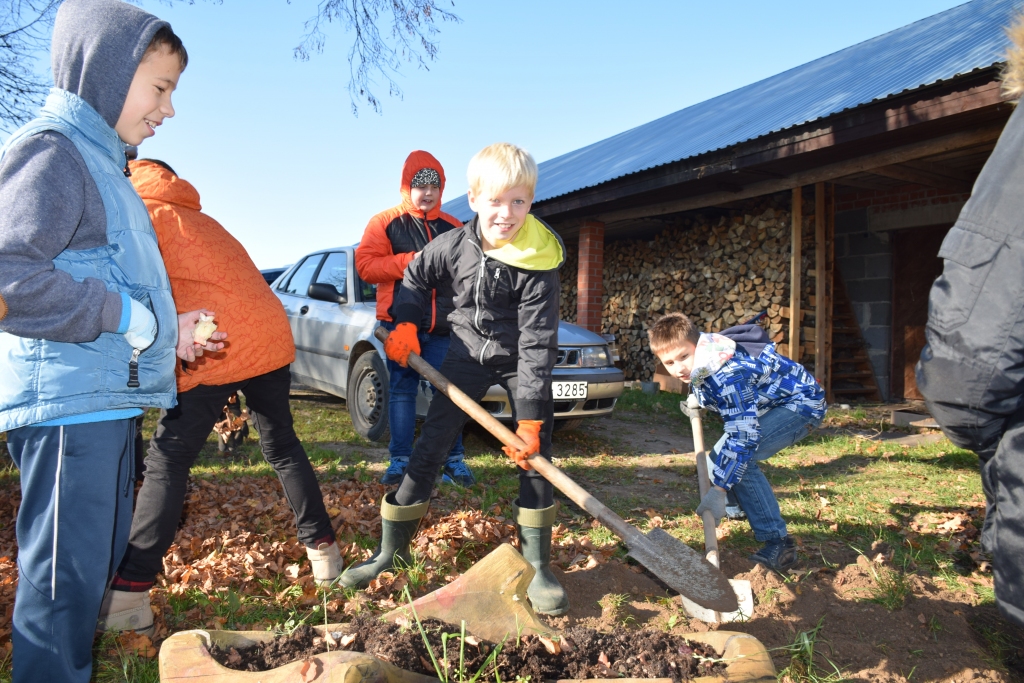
[(445, 421), (180, 436)]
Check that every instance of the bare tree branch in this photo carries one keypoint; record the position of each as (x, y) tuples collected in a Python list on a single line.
[(24, 32), (387, 33), (413, 25)]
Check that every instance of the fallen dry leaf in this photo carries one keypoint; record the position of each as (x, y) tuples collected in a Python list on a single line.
[(137, 643), (311, 668), (552, 646)]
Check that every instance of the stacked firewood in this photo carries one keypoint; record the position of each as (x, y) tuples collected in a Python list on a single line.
[(719, 270)]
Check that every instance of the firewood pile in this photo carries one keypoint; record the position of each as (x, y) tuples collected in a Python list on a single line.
[(719, 270)]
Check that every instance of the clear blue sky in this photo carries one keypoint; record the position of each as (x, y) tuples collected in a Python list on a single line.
[(278, 158)]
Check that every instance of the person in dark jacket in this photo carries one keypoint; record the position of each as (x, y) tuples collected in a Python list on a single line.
[(971, 371), (503, 266), (392, 239)]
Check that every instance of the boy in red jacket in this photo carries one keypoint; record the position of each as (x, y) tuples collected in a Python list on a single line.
[(392, 239)]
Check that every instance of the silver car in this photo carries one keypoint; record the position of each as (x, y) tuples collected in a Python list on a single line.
[(332, 313)]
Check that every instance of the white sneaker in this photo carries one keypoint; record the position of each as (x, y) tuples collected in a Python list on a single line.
[(125, 611), (327, 563)]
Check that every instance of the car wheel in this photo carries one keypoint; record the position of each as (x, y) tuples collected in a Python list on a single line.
[(568, 425), (368, 397)]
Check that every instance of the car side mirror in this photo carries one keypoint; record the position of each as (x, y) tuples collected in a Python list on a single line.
[(324, 292)]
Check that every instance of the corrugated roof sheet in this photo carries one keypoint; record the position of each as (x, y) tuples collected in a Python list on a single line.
[(940, 47)]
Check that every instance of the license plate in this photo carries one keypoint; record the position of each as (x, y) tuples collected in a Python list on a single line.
[(574, 391)]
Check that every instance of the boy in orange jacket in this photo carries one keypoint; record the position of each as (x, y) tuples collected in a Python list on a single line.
[(392, 239), (205, 263)]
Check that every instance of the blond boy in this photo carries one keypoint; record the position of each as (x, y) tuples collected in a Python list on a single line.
[(503, 266)]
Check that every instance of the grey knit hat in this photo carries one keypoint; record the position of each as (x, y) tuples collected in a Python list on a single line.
[(426, 176)]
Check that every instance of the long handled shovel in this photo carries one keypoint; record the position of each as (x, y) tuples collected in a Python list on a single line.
[(668, 558), (740, 587)]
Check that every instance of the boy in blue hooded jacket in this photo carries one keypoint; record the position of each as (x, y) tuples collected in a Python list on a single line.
[(88, 332), (767, 402)]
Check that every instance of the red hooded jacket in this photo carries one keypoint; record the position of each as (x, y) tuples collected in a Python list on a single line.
[(393, 237)]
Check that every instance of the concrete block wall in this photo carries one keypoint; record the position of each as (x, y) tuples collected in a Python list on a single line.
[(864, 259), (864, 221)]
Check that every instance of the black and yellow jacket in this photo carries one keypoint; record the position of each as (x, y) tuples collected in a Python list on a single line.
[(506, 302)]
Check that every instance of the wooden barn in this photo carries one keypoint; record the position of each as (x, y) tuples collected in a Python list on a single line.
[(819, 195)]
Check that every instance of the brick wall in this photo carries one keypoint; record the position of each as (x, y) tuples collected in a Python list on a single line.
[(590, 271), (897, 199)]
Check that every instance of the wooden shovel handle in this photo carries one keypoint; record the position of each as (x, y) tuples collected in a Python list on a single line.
[(703, 481), (545, 468)]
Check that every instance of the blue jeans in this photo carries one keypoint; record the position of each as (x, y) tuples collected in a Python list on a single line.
[(405, 384), (77, 483), (780, 428)]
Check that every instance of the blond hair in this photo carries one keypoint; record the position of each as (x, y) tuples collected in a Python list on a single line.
[(671, 331), (1013, 72), (500, 167)]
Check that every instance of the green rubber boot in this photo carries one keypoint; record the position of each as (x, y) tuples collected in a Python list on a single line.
[(398, 526), (534, 526)]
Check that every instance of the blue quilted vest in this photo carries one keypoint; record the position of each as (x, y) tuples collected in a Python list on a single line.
[(45, 380)]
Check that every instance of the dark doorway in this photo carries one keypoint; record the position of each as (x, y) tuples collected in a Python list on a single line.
[(915, 265)]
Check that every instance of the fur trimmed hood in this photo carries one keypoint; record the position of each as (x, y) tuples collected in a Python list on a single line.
[(1013, 72)]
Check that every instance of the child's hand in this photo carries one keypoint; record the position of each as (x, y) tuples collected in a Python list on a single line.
[(187, 349), (713, 502), (529, 432), (401, 342)]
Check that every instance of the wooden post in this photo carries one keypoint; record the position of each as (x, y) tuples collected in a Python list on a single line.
[(830, 262), (794, 274), (820, 290)]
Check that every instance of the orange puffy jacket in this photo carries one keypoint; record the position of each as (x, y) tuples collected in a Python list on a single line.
[(210, 269), (393, 237)]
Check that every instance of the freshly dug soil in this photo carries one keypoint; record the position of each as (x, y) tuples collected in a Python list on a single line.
[(585, 653)]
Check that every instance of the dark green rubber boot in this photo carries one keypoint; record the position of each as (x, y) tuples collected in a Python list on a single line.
[(534, 526), (398, 526)]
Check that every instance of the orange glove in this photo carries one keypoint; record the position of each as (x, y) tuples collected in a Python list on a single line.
[(401, 342), (529, 432)]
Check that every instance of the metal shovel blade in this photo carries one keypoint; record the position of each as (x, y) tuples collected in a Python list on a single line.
[(684, 570)]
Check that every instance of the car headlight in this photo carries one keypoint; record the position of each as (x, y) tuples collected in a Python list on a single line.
[(595, 357)]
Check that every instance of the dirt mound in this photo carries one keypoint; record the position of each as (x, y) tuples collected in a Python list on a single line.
[(580, 653)]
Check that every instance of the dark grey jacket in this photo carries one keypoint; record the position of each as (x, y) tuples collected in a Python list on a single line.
[(502, 313), (48, 199), (972, 370)]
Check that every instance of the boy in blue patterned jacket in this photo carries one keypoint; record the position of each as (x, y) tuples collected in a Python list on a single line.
[(767, 402)]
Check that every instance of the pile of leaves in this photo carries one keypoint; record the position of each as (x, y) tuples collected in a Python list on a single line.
[(237, 541)]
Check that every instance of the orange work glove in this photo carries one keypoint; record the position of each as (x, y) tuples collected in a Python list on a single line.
[(401, 342), (529, 432)]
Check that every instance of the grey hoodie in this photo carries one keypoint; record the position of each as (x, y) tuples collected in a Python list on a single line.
[(48, 200)]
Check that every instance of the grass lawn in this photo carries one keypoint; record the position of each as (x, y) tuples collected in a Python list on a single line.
[(237, 565)]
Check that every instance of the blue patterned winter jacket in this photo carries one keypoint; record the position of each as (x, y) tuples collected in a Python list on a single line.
[(741, 389)]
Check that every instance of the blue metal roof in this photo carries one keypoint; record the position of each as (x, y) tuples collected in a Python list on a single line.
[(952, 43)]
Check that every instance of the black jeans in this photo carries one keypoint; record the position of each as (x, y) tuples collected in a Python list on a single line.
[(444, 424), (180, 436)]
